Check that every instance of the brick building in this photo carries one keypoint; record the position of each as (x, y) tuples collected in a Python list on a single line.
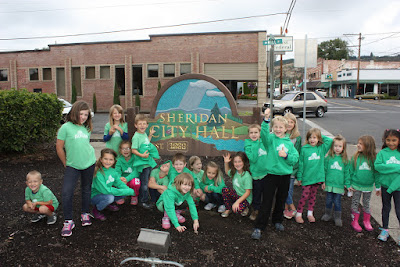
[(136, 67)]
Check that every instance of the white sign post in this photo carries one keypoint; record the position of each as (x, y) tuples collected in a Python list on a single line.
[(305, 55)]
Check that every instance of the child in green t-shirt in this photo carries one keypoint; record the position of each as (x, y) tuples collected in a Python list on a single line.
[(116, 129), (212, 183), (39, 199), (159, 181), (140, 138), (257, 154), (177, 193), (128, 173)]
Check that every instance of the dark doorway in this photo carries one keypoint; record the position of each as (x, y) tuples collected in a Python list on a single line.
[(120, 79), (137, 80)]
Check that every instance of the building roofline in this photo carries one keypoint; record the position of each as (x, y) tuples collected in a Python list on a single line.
[(132, 41)]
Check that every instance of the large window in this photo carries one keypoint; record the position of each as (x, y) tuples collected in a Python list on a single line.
[(104, 72), (34, 74), (152, 70), (186, 68), (169, 70), (90, 73), (137, 80), (3, 75), (47, 74), (120, 78)]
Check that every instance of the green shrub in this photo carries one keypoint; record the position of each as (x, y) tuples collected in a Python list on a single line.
[(137, 100), (94, 103), (73, 97), (27, 119), (159, 85)]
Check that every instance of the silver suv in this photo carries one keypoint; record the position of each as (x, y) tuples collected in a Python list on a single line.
[(293, 102)]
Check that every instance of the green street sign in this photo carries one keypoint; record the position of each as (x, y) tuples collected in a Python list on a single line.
[(271, 41)]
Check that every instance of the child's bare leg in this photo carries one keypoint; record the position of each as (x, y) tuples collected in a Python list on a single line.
[(292, 207), (26, 208), (45, 210)]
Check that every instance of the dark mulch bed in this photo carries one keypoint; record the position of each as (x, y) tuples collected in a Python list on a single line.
[(220, 242)]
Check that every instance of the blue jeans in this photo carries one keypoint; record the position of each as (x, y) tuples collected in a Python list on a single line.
[(71, 177), (101, 201), (289, 199), (154, 195), (387, 206), (144, 185), (333, 199), (214, 198), (258, 188)]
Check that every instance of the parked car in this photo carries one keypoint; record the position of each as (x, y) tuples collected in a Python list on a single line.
[(293, 102), (369, 95), (67, 109), (322, 92)]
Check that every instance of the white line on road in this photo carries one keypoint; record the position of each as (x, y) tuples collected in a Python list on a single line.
[(314, 125)]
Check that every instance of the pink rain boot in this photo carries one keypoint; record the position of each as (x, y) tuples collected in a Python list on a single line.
[(354, 223), (366, 222)]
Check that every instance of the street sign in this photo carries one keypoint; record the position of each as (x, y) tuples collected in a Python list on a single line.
[(272, 41), (281, 43)]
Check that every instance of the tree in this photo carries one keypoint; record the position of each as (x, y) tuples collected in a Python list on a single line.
[(137, 100), (73, 97), (94, 103), (159, 85), (116, 95), (334, 49)]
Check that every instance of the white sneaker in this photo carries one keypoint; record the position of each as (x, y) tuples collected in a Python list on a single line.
[(221, 209), (209, 206)]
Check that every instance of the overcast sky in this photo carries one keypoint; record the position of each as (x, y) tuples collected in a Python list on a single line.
[(378, 21)]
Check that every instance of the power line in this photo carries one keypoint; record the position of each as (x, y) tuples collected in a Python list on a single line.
[(139, 29), (102, 7), (288, 16)]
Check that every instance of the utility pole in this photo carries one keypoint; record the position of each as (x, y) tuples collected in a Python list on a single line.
[(280, 90), (359, 62)]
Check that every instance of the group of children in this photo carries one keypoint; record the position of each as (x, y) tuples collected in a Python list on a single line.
[(273, 162)]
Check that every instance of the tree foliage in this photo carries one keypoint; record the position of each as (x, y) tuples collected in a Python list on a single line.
[(94, 103), (334, 49), (74, 93)]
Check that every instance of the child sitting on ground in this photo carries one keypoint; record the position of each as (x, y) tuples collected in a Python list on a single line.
[(159, 181), (212, 183), (128, 173), (39, 199), (107, 186)]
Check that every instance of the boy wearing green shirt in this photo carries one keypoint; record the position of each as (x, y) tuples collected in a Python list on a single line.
[(282, 156), (257, 155), (140, 138), (39, 199)]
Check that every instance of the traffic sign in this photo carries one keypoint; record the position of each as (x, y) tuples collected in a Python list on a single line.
[(281, 43)]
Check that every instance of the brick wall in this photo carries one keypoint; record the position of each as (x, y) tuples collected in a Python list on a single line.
[(197, 49)]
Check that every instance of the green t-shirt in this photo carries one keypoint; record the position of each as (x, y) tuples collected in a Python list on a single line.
[(258, 158), (241, 183), (210, 183), (138, 140), (198, 176), (44, 194), (160, 181), (79, 152), (171, 198), (125, 168), (110, 183), (387, 164), (116, 138)]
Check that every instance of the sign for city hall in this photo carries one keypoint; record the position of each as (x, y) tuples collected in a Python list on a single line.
[(196, 113)]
